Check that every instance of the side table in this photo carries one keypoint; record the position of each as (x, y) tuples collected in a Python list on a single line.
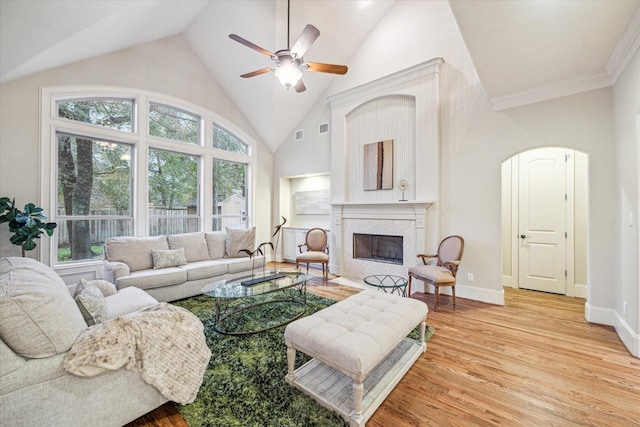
[(388, 283)]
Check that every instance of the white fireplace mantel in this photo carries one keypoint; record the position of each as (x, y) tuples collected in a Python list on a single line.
[(406, 218)]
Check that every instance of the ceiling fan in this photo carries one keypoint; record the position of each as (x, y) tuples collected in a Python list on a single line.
[(289, 62)]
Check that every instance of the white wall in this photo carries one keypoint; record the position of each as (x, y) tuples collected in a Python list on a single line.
[(476, 140), (167, 66), (627, 202)]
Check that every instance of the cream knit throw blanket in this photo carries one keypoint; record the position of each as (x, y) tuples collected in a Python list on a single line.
[(164, 343)]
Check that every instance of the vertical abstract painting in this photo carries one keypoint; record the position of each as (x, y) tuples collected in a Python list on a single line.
[(378, 165)]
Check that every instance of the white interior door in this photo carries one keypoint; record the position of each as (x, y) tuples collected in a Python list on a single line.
[(542, 220)]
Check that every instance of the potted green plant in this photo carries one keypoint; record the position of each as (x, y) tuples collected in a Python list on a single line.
[(26, 225)]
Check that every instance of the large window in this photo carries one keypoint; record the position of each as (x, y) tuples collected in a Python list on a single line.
[(173, 123), (112, 178), (110, 113), (226, 141), (94, 195), (229, 195), (173, 193)]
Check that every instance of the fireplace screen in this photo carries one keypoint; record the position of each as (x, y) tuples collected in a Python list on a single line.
[(379, 248)]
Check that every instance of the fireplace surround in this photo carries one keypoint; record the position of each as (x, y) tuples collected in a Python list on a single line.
[(407, 220)]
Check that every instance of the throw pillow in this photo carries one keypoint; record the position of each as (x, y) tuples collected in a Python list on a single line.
[(194, 245), (237, 239), (168, 258), (91, 303), (38, 316), (107, 288)]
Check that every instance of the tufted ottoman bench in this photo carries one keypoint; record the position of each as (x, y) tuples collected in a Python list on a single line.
[(360, 350)]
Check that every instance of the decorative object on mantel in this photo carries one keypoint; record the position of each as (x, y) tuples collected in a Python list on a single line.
[(26, 225), (403, 185), (378, 165)]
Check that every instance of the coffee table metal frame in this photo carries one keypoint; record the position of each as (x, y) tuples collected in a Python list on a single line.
[(388, 283), (293, 287)]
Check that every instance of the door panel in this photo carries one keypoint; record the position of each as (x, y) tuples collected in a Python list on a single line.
[(542, 218)]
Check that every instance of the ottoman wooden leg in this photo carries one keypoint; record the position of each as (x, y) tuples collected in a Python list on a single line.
[(358, 391), (291, 363)]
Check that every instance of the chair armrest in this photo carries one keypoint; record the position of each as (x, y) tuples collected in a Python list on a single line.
[(424, 257), (453, 266), (326, 250), (114, 270), (300, 246)]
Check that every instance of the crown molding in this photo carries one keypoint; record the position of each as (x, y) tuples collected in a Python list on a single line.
[(626, 48), (570, 86)]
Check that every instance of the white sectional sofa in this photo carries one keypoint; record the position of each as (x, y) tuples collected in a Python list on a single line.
[(178, 266), (39, 322)]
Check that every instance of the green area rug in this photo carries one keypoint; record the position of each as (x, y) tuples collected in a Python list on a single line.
[(244, 384)]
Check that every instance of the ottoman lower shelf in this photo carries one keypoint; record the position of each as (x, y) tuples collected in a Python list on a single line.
[(334, 390)]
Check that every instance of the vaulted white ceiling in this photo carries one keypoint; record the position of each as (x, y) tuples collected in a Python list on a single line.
[(517, 46)]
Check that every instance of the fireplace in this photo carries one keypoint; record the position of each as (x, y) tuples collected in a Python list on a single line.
[(379, 248), (401, 221)]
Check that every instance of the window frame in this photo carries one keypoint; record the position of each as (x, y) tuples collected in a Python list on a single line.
[(141, 142)]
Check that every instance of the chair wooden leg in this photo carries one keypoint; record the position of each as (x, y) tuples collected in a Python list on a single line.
[(437, 294), (453, 291), (409, 288)]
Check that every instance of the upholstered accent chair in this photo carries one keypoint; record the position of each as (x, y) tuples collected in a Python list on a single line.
[(317, 250), (443, 271)]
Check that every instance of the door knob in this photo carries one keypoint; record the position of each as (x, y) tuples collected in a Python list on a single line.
[(523, 236)]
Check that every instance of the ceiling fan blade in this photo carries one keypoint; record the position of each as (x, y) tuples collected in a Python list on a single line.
[(306, 39), (256, 73), (248, 44), (327, 68), (300, 87)]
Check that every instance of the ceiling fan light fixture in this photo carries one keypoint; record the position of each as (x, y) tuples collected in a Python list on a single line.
[(288, 74)]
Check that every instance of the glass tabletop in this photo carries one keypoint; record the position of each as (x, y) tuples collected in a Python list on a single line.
[(233, 288), (385, 281)]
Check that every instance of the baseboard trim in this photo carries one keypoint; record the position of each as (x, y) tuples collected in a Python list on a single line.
[(628, 336), (580, 290), (475, 293), (599, 315)]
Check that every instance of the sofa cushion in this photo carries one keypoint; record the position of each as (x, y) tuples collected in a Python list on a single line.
[(216, 242), (38, 316), (204, 269), (237, 265), (237, 239), (134, 251), (194, 245), (91, 303), (168, 258), (10, 360), (128, 300), (146, 279)]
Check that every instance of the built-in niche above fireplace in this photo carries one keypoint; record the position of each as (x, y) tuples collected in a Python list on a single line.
[(379, 248)]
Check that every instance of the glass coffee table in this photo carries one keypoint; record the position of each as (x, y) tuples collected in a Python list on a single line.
[(388, 283), (243, 309)]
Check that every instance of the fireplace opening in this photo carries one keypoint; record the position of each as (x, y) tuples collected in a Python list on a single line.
[(376, 247)]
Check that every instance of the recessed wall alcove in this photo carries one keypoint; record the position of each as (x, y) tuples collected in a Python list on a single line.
[(403, 107)]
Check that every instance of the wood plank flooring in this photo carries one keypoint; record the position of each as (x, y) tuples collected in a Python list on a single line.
[(533, 362)]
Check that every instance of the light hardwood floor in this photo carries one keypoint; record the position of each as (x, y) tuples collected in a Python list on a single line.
[(533, 362)]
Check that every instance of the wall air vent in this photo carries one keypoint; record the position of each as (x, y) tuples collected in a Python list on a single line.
[(324, 128), (299, 136)]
